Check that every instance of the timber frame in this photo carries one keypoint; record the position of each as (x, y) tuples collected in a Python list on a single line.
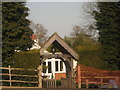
[(67, 54), (60, 44)]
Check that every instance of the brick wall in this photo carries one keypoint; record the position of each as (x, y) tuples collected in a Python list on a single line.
[(60, 75)]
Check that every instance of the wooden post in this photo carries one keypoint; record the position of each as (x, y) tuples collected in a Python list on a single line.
[(79, 76), (87, 84), (40, 76), (52, 84), (47, 83), (117, 79), (101, 81), (10, 76), (55, 83)]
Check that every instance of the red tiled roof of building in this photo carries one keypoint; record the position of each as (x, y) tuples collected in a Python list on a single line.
[(33, 37)]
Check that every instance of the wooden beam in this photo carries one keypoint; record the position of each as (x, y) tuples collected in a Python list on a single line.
[(10, 76), (18, 81), (57, 38), (40, 76), (98, 77), (19, 75), (79, 76), (16, 69)]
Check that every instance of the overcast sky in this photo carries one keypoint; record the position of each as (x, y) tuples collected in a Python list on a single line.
[(57, 17)]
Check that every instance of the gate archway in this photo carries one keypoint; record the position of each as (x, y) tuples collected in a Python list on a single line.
[(65, 58), (67, 55)]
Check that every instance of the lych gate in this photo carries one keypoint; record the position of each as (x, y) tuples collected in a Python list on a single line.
[(67, 55)]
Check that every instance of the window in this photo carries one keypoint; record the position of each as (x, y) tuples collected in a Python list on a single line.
[(44, 67), (61, 66), (56, 65), (49, 67)]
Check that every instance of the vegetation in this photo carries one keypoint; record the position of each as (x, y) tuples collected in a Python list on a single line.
[(40, 32), (108, 23), (88, 49), (15, 30), (27, 59)]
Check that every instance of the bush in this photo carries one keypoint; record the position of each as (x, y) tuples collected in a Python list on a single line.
[(26, 59)]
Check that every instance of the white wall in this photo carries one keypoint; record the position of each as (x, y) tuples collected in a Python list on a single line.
[(53, 67)]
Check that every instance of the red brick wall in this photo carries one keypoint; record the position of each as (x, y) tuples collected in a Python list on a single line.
[(60, 75)]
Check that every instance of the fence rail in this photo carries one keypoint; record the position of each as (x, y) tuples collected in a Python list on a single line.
[(18, 75), (16, 68), (10, 74), (17, 81), (87, 75)]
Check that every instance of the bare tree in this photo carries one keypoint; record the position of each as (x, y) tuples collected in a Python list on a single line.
[(77, 30), (40, 32), (90, 27), (32, 26)]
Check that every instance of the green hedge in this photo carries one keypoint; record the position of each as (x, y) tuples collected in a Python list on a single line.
[(26, 59), (92, 58)]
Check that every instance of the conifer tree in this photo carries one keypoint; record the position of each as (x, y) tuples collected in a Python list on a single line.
[(15, 29), (108, 23)]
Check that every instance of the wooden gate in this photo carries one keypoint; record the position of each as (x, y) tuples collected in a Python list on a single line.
[(49, 83), (67, 83), (53, 83)]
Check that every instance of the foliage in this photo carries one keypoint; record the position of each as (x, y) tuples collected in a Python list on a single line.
[(21, 79), (15, 29), (27, 59), (108, 24), (88, 49), (49, 49), (90, 86), (58, 83)]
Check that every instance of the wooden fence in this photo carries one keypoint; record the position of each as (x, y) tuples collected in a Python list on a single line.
[(87, 75), (53, 83), (49, 83), (10, 74)]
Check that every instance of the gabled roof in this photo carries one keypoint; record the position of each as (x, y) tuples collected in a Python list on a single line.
[(60, 45)]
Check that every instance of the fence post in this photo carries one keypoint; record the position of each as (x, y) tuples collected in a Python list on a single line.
[(40, 76), (10, 76), (87, 84), (47, 83), (79, 76), (101, 82), (55, 83)]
